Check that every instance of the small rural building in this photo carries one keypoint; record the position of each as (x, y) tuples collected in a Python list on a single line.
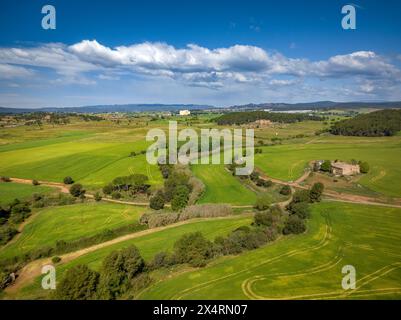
[(185, 112), (344, 169)]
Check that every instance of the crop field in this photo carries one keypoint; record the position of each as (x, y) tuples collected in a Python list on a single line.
[(308, 266), (221, 186), (69, 223), (287, 162), (92, 159), (10, 191), (149, 245)]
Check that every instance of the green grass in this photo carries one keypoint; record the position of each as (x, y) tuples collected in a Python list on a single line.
[(10, 191), (306, 266), (287, 162), (221, 186), (148, 245), (69, 223)]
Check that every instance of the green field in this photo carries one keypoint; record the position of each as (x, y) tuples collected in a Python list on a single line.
[(306, 266), (287, 162), (148, 245), (10, 191), (69, 223), (221, 186), (92, 159)]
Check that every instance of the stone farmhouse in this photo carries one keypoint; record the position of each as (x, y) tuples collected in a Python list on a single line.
[(344, 169)]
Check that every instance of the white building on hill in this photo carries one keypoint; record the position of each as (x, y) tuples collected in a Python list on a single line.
[(185, 112)]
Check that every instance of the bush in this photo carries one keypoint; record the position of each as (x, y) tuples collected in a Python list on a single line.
[(160, 260), (198, 188), (262, 203), (264, 183), (285, 190), (180, 198), (264, 218), (35, 182), (300, 209), (294, 225), (116, 195), (68, 180), (157, 201), (5, 279), (301, 196), (139, 283), (56, 259), (205, 211), (159, 219), (5, 179), (315, 194), (79, 283), (364, 167), (97, 197), (7, 233), (108, 188), (194, 249), (118, 270), (76, 190)]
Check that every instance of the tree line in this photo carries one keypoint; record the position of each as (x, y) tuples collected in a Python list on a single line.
[(374, 124), (238, 118)]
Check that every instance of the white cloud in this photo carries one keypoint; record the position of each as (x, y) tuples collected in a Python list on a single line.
[(8, 71)]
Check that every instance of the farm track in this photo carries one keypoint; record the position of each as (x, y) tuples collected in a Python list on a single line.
[(33, 269)]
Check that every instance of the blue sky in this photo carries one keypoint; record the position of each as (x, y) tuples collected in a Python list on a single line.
[(207, 52)]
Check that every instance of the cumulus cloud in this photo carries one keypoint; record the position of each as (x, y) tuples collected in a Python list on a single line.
[(192, 65), (8, 71)]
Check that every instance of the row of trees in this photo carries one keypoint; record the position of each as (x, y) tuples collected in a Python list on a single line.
[(239, 118), (10, 216), (374, 124), (130, 185)]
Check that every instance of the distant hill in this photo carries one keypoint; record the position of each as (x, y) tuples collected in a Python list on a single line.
[(320, 105), (175, 107), (373, 124), (112, 108)]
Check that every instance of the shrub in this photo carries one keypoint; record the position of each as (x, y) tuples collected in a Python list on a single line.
[(5, 179), (35, 182), (295, 225), (364, 167), (180, 197), (262, 203), (300, 209), (56, 259), (97, 196), (254, 176), (198, 188), (315, 194), (160, 260), (205, 211), (264, 183), (263, 218), (301, 196), (5, 279), (139, 283), (76, 190), (157, 201), (116, 195), (159, 219), (68, 180), (118, 270), (108, 188), (79, 283), (285, 190), (6, 234), (194, 249)]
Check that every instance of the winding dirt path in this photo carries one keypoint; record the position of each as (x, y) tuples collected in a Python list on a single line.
[(33, 269)]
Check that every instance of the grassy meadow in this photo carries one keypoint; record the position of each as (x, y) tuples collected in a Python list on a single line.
[(10, 191), (69, 223)]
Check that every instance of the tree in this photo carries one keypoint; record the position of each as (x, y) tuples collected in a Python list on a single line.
[(301, 196), (316, 192), (116, 195), (194, 249), (364, 167), (263, 218), (285, 190), (180, 198), (262, 203), (326, 166), (68, 180), (295, 225), (118, 269), (157, 201), (35, 182), (76, 190), (79, 283), (300, 209)]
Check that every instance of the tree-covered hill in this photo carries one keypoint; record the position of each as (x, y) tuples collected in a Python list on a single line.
[(374, 124), (251, 116)]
